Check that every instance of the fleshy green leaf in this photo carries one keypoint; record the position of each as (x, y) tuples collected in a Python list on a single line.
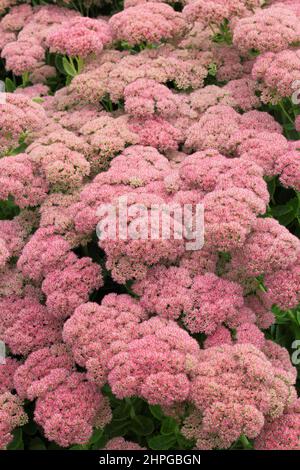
[(142, 425), (161, 442)]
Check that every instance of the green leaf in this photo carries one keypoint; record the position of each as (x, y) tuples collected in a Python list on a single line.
[(68, 80), (20, 149), (37, 444), (69, 69), (8, 209), (122, 412), (59, 64), (17, 442), (156, 411), (184, 443), (287, 219), (169, 426), (100, 443), (9, 85), (160, 442), (272, 186), (278, 211), (142, 426), (97, 434), (30, 428), (79, 447), (54, 446), (115, 429), (38, 99)]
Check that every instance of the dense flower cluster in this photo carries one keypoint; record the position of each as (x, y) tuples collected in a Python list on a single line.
[(19, 118), (148, 22), (79, 37), (157, 366), (112, 125), (95, 332), (282, 433), (239, 385), (272, 29)]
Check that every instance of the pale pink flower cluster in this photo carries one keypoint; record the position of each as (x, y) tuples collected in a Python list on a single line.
[(157, 366), (239, 385), (119, 443), (79, 36), (30, 326), (96, 332), (63, 169), (214, 12), (106, 137), (113, 72), (20, 178), (269, 247), (146, 97), (156, 132), (203, 303), (19, 118), (276, 74), (7, 372), (26, 52), (150, 22), (69, 286), (288, 168), (283, 287), (271, 29), (12, 416), (42, 371), (16, 17), (12, 239)]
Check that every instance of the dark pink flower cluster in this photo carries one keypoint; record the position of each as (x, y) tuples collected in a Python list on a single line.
[(282, 433), (69, 412)]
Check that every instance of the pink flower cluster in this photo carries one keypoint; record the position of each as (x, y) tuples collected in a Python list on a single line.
[(25, 38), (276, 74), (12, 416), (236, 388), (79, 37), (149, 22), (271, 29), (282, 433), (157, 366), (96, 332), (204, 302), (20, 117)]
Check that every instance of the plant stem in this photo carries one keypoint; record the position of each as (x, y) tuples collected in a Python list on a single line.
[(245, 443), (286, 113)]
